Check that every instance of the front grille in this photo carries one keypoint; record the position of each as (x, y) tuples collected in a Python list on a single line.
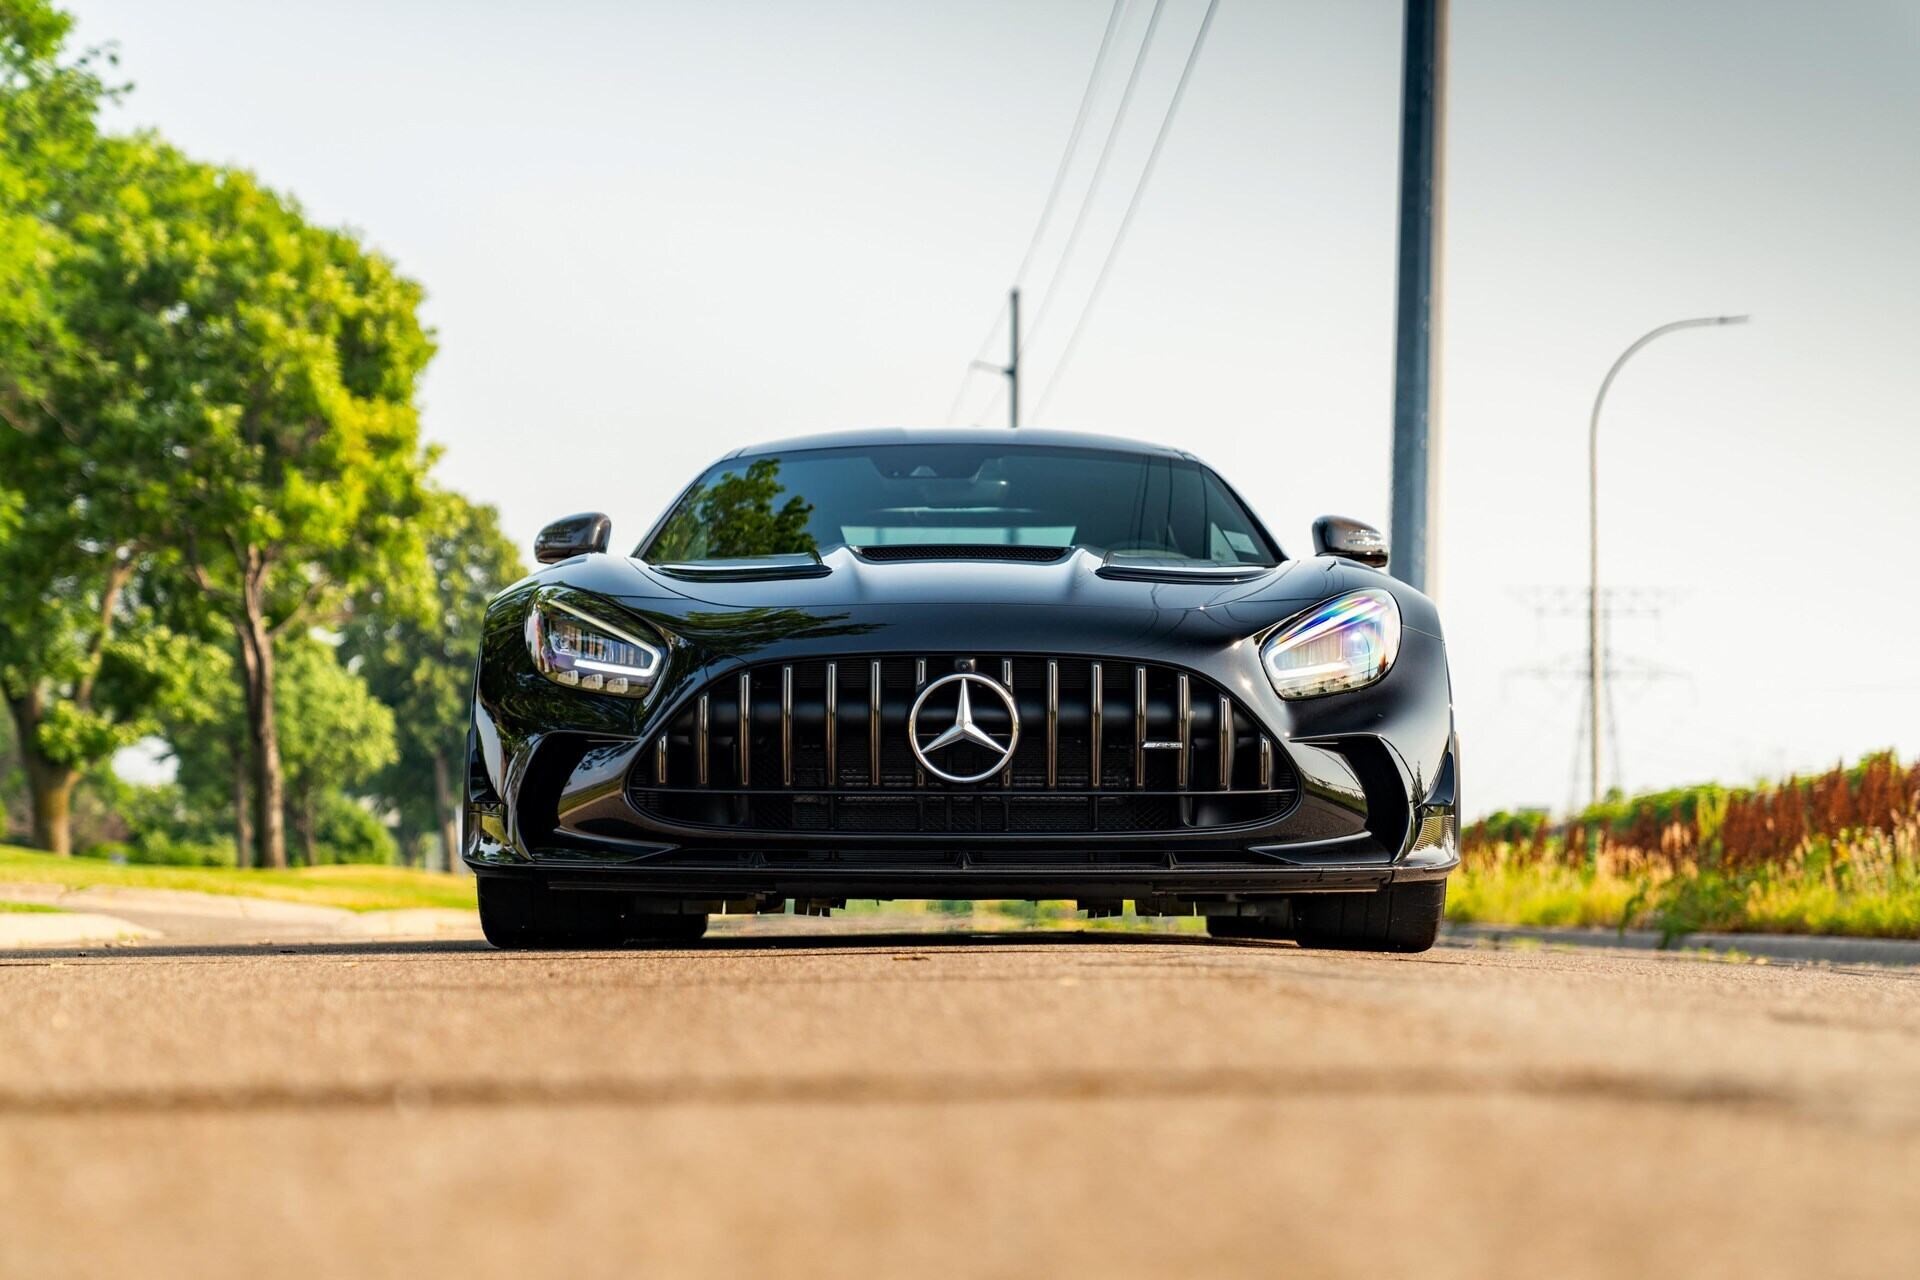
[(1104, 747), (962, 551)]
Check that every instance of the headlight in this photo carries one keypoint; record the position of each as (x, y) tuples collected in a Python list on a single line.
[(1339, 644), (584, 652)]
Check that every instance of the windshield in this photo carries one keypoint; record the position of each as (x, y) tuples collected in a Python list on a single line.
[(818, 500)]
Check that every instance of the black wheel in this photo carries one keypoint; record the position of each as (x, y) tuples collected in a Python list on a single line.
[(1401, 917), (1245, 927), (519, 914)]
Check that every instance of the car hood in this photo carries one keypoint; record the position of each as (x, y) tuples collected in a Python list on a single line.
[(849, 581), (967, 602)]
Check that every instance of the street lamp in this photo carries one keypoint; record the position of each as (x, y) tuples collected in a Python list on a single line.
[(1593, 532)]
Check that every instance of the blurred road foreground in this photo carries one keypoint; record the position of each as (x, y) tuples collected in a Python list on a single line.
[(801, 1097)]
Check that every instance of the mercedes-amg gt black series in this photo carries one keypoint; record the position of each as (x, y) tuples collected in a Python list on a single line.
[(961, 664)]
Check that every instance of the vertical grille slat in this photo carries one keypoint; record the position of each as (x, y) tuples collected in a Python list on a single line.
[(1183, 710), (786, 726), (1053, 724), (759, 749), (1006, 678), (700, 738), (1139, 726), (919, 683), (833, 724), (1226, 743), (744, 744), (873, 722), (1097, 706)]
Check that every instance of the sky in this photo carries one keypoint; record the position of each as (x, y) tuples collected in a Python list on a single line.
[(650, 232)]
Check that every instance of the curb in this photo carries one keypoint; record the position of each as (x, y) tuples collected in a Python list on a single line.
[(1805, 948)]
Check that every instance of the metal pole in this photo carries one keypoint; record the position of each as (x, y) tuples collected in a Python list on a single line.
[(1416, 364), (1013, 359), (1596, 660)]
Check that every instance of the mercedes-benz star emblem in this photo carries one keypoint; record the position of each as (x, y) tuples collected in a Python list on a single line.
[(964, 729)]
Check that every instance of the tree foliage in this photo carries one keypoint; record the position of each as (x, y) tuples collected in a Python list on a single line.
[(338, 735), (209, 449), (74, 682), (417, 647)]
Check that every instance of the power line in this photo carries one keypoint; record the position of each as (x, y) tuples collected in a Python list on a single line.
[(1099, 174), (1053, 194), (1133, 205), (1073, 140)]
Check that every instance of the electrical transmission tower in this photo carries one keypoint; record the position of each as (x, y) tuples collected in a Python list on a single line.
[(1575, 668)]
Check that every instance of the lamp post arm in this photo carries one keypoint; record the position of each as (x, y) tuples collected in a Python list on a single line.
[(1594, 660)]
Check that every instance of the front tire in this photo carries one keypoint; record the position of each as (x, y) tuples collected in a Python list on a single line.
[(519, 914), (1400, 917)]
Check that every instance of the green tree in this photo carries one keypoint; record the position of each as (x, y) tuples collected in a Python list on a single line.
[(418, 656), (68, 554), (205, 727), (337, 734), (274, 449), (49, 97)]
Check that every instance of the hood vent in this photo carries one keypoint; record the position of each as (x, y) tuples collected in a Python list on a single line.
[(962, 551), (746, 568), (1139, 568)]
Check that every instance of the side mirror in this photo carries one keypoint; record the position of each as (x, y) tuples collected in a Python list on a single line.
[(571, 536), (1350, 540)]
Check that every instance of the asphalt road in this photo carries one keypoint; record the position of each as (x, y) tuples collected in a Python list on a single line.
[(850, 1104)]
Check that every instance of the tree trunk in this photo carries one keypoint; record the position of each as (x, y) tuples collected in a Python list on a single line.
[(308, 842), (263, 739), (447, 814), (49, 783), (51, 786), (242, 815)]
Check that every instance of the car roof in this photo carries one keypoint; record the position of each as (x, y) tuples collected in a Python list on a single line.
[(1044, 436)]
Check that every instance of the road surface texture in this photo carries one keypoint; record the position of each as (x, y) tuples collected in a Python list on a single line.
[(845, 1103)]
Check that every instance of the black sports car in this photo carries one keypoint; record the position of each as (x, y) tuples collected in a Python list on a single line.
[(961, 664)]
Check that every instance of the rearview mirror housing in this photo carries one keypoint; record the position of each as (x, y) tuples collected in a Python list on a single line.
[(570, 536), (1350, 540)]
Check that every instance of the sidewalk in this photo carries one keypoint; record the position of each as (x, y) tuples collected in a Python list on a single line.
[(106, 914)]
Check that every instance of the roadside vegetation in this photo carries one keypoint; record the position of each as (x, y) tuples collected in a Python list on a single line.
[(220, 532), (356, 888), (1834, 854)]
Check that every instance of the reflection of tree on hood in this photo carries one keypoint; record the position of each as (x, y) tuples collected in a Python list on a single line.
[(735, 516)]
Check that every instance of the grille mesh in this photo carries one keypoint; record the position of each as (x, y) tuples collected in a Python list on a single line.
[(822, 746)]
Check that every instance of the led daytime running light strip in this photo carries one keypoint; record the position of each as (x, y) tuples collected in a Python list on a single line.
[(651, 650)]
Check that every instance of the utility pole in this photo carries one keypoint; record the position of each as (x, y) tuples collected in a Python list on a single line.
[(1596, 660), (1013, 357), (1010, 370), (1416, 363)]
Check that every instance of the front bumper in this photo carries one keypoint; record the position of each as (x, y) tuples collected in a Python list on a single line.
[(559, 780), (1342, 836)]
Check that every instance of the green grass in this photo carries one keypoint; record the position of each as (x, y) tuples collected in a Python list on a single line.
[(36, 908), (355, 887), (1871, 889), (1541, 897)]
